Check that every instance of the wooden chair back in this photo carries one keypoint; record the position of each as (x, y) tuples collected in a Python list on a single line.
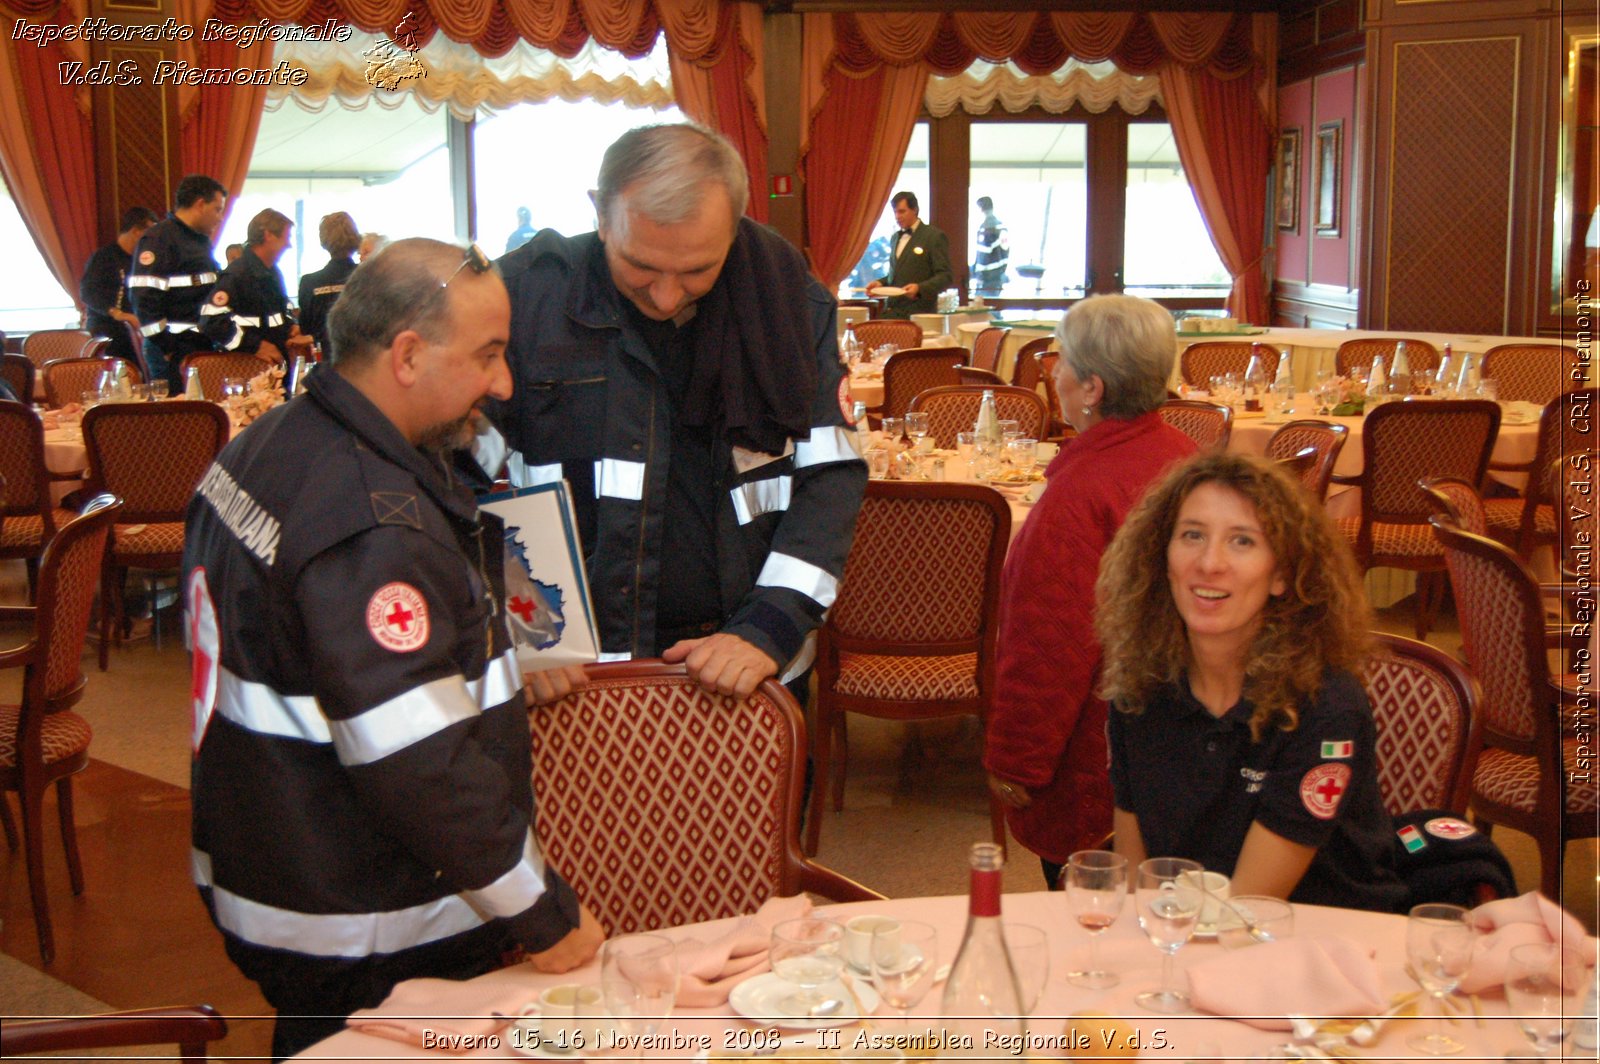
[(1532, 373), (1325, 440), (1358, 354), (986, 347), (1209, 425), (955, 409), (47, 345), (909, 373)]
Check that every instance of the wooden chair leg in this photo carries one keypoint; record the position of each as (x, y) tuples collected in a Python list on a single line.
[(69, 833), (1551, 853), (841, 753), (1428, 592), (33, 579), (33, 841), (9, 824), (821, 764)]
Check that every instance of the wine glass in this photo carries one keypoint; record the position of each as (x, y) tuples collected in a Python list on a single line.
[(905, 956), (1169, 907), (1327, 390), (917, 426), (1024, 453), (1010, 429), (1096, 882), (1029, 947), (1544, 987), (893, 430), (807, 953), (639, 980), (1439, 948)]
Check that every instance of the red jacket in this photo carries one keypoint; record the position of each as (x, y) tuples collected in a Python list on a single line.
[(1047, 727)]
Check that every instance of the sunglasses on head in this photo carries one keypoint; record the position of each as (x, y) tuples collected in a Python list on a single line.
[(474, 257)]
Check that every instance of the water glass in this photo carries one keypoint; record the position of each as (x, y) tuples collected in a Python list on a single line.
[(894, 430), (985, 459), (1489, 388), (1096, 883), (639, 980), (808, 953), (1023, 454), (905, 960), (1029, 947), (159, 389), (1169, 899), (966, 446), (232, 386), (89, 399), (917, 425), (877, 463), (1010, 429), (1544, 987), (1439, 945), (884, 352)]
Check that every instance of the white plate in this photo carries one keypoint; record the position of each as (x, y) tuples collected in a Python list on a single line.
[(888, 290), (757, 999)]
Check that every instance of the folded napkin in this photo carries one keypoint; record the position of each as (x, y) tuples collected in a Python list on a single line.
[(709, 969), (443, 1013), (1510, 922), (1263, 984)]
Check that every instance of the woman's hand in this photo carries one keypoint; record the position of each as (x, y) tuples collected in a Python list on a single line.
[(1013, 794)]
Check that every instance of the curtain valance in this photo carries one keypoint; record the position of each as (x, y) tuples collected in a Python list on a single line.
[(1098, 87)]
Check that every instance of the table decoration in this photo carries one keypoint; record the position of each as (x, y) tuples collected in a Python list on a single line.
[(265, 391)]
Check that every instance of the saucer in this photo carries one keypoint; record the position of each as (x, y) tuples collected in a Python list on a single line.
[(758, 999)]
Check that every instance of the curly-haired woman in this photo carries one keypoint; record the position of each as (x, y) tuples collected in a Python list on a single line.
[(1046, 741), (1243, 740)]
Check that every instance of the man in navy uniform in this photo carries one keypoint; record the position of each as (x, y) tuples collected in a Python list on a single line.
[(173, 271)]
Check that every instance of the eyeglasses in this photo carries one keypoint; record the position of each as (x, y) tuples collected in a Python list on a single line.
[(472, 256)]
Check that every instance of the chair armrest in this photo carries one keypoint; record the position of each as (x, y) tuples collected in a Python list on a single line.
[(835, 886), (26, 654), (190, 1026), (1513, 467), (1347, 478)]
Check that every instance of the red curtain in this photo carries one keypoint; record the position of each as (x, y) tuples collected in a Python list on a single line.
[(719, 88), (219, 131)]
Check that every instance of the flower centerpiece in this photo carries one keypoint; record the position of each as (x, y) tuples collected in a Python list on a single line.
[(265, 392), (1352, 396)]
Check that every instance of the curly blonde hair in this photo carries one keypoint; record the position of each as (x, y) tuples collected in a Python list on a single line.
[(1323, 621)]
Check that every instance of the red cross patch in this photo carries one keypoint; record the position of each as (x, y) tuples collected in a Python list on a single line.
[(219, 298), (397, 617), (847, 406), (1448, 827), (206, 651), (1322, 787), (146, 257)]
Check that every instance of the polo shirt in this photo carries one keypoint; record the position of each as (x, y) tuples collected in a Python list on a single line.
[(1197, 782)]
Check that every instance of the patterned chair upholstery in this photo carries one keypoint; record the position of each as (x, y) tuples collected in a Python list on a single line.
[(954, 409), (983, 378), (913, 633), (190, 1027), (18, 372), (665, 805), (1208, 424), (1529, 776), (47, 345), (1204, 360), (1402, 443), (1358, 354), (1324, 438), (31, 516), (156, 494), (1059, 429), (1528, 523), (1457, 501), (1025, 371), (1426, 709), (214, 367), (1531, 373), (914, 371), (66, 379), (986, 347), (903, 334), (41, 740)]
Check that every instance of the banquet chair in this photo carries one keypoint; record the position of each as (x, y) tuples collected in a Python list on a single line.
[(913, 633), (986, 347), (1401, 443), (47, 345), (983, 378), (1208, 424), (66, 379), (1204, 360), (1532, 373), (954, 409), (1524, 524), (18, 372), (1530, 775), (1059, 428), (190, 1027), (156, 494), (914, 371), (1025, 370), (1324, 438), (663, 804), (1422, 356), (903, 334), (1426, 708), (30, 513), (41, 740), (216, 366), (1299, 465)]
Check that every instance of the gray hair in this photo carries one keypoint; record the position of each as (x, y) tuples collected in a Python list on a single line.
[(663, 170), (268, 221), (1129, 343), (401, 287)]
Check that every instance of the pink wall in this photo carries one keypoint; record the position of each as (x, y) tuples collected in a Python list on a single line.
[(1333, 100), (1294, 247)]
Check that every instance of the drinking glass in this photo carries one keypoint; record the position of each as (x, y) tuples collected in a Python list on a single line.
[(1169, 906), (986, 459), (1544, 987), (1024, 453), (159, 389), (966, 446), (905, 957), (877, 463), (807, 953), (232, 386), (1439, 948), (1489, 388), (639, 980), (884, 352), (1096, 883), (1010, 429), (917, 425), (89, 399), (1029, 947), (894, 430)]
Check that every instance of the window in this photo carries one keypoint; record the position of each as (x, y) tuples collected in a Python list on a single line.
[(913, 178), (1036, 174), (1167, 250), (30, 297)]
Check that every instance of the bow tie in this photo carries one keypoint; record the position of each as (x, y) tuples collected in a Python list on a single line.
[(905, 232)]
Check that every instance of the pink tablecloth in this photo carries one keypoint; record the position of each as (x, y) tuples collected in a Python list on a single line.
[(1125, 950)]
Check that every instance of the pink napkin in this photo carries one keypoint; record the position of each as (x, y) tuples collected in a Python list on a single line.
[(708, 970), (1511, 922), (442, 1013), (1263, 984)]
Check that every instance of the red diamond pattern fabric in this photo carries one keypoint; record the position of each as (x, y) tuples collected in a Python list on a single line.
[(29, 531), (76, 580), (1421, 732), (1504, 520), (660, 803), (1358, 354), (1422, 440), (164, 537), (63, 735), (1513, 780), (1395, 541), (910, 373), (1492, 630), (1531, 373), (903, 334), (1208, 429), (1208, 358), (908, 679), (953, 412)]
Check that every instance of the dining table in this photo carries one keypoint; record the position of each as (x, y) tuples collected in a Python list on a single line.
[(1067, 1021)]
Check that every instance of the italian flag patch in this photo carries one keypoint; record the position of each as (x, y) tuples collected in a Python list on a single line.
[(1338, 751), (1410, 837)]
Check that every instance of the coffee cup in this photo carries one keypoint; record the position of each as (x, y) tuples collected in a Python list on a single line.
[(1215, 885), (566, 1017), (858, 932)]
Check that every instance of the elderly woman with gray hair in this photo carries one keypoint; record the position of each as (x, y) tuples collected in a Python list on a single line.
[(1046, 746)]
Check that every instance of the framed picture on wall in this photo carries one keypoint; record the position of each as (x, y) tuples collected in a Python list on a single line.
[(1329, 135), (1289, 180)]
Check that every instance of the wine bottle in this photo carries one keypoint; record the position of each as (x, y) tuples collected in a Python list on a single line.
[(1255, 380), (987, 427), (982, 993)]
